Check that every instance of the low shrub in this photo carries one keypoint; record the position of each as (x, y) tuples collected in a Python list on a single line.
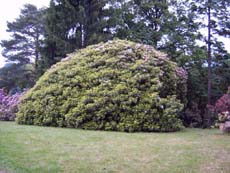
[(118, 85), (223, 104), (8, 105), (221, 110), (224, 116)]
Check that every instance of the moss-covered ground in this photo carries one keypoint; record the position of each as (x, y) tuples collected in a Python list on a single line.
[(47, 149)]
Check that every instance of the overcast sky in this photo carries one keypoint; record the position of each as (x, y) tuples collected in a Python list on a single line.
[(10, 9)]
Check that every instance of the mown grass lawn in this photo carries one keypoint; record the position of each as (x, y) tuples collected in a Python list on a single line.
[(45, 149)]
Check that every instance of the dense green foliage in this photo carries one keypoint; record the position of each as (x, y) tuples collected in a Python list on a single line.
[(73, 24), (119, 85), (17, 77)]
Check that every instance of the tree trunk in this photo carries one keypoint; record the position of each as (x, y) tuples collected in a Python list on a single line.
[(209, 56), (36, 50), (207, 122)]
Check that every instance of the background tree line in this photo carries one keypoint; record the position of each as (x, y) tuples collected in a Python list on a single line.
[(42, 37)]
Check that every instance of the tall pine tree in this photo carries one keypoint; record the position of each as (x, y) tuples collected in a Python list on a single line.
[(216, 15), (23, 49), (27, 34), (212, 16), (73, 24)]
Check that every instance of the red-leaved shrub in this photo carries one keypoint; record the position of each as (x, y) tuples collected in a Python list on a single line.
[(223, 104)]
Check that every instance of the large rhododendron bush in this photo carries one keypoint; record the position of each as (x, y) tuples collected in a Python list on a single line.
[(118, 85)]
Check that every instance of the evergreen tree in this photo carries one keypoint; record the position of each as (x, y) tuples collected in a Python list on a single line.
[(212, 16), (27, 33), (168, 25), (217, 15), (17, 77), (73, 24), (141, 21), (182, 32), (153, 16)]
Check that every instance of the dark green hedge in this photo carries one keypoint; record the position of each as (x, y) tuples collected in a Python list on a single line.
[(118, 85)]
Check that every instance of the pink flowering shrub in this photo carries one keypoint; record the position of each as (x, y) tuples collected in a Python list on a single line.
[(8, 105), (222, 107), (223, 104), (182, 74)]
